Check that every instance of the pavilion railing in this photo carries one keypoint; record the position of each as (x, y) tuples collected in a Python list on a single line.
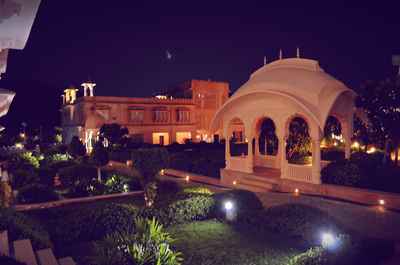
[(299, 172)]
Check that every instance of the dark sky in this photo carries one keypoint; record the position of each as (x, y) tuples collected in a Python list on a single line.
[(123, 46)]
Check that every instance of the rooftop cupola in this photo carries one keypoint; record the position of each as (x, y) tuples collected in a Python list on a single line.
[(70, 95), (88, 85)]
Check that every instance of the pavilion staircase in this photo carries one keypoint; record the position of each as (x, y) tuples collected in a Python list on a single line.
[(262, 180), (22, 251)]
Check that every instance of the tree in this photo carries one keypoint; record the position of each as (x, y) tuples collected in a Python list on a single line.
[(148, 162), (99, 157), (381, 101), (299, 141), (76, 148), (113, 132)]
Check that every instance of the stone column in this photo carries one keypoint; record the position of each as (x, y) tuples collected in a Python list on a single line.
[(256, 146), (282, 153), (91, 91), (84, 91), (249, 158), (316, 162), (227, 152)]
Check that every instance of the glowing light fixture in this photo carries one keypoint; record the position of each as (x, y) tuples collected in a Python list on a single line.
[(371, 150), (18, 145), (187, 178), (381, 202), (335, 144), (228, 205), (234, 182), (296, 190), (328, 240), (356, 144)]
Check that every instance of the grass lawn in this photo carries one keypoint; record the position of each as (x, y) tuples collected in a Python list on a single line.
[(206, 242), (213, 242)]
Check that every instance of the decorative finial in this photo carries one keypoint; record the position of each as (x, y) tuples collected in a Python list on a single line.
[(280, 54), (265, 60), (298, 52)]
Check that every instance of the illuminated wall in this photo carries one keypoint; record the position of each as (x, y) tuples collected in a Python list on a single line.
[(181, 136), (158, 138)]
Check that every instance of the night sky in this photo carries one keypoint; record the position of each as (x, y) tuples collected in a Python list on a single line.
[(137, 48)]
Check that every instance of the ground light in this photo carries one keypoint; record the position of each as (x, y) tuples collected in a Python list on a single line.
[(381, 202), (187, 178), (230, 211), (296, 191), (234, 182), (328, 240)]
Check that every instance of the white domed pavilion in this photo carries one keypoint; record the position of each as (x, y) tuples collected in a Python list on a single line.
[(280, 91)]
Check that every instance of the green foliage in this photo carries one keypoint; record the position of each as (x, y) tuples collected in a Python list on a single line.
[(9, 260), (348, 251), (179, 161), (299, 141), (25, 161), (46, 176), (146, 244), (148, 162), (198, 190), (332, 126), (113, 132), (19, 226), (94, 224), (362, 170), (62, 164), (76, 148), (268, 134), (296, 219), (80, 180), (167, 187), (99, 156), (59, 157), (300, 159), (22, 178), (381, 100), (182, 210), (36, 194), (246, 203), (116, 183)]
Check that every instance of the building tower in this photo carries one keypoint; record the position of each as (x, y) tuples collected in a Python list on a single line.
[(90, 85)]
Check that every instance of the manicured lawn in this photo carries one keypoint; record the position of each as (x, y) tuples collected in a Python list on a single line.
[(213, 242)]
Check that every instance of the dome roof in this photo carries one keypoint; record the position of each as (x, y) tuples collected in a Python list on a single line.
[(301, 80)]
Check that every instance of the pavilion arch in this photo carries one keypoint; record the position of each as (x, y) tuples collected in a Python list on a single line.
[(280, 91)]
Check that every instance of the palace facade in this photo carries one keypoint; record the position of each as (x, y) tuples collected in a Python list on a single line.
[(185, 111)]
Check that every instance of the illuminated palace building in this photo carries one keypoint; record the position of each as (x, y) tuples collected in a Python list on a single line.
[(185, 111)]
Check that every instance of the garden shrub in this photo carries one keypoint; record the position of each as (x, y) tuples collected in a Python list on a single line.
[(145, 244), (56, 166), (81, 181), (298, 220), (4, 193), (363, 170), (20, 226), (204, 167), (179, 161), (36, 194), (25, 161), (116, 183), (183, 210), (134, 183), (119, 155), (46, 176), (246, 203), (9, 260), (198, 190), (167, 187), (95, 224), (348, 250), (23, 178)]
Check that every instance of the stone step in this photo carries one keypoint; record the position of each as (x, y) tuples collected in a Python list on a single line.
[(255, 183), (23, 251), (263, 179), (66, 261), (46, 257), (252, 187), (4, 247)]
